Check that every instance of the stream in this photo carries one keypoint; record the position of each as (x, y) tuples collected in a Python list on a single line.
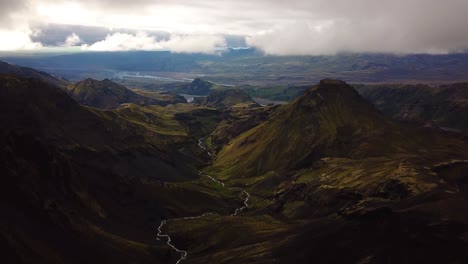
[(244, 195)]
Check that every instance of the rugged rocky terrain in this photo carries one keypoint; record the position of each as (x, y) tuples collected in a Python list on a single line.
[(334, 181), (439, 106), (327, 178)]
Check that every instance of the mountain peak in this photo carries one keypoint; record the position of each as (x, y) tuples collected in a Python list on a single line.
[(102, 94), (329, 120), (333, 86), (225, 98), (336, 94), (329, 81)]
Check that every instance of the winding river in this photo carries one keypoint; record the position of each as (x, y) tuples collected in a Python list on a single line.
[(244, 195)]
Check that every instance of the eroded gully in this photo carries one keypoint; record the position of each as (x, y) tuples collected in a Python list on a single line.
[(244, 195)]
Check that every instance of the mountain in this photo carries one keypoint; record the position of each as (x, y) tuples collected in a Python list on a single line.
[(196, 87), (329, 119), (81, 185), (332, 180), (284, 93), (171, 98), (326, 178), (107, 94), (439, 106), (254, 68), (237, 120), (6, 68), (225, 98)]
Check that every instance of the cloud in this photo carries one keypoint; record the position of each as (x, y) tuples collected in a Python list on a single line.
[(360, 26), (17, 40), (194, 43), (143, 41), (72, 40), (124, 42), (275, 26), (332, 37), (9, 11)]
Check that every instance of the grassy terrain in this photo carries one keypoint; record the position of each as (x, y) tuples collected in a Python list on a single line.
[(276, 93), (439, 106), (333, 181)]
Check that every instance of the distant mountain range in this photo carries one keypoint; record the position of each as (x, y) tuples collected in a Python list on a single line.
[(252, 67)]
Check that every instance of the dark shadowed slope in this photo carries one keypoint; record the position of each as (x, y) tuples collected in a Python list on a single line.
[(196, 87), (81, 186), (6, 68)]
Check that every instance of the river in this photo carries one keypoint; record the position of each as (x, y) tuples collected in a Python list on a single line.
[(244, 195)]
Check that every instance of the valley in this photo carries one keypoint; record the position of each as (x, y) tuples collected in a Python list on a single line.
[(245, 196), (233, 132), (337, 175)]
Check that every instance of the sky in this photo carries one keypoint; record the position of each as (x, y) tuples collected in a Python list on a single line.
[(277, 27)]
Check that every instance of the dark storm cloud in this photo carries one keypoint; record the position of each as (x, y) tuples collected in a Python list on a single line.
[(55, 35)]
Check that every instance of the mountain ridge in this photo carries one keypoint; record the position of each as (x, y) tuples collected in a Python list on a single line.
[(107, 94), (6, 68), (331, 118), (83, 185), (438, 106)]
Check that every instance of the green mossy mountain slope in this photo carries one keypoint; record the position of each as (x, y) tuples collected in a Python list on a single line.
[(333, 181), (225, 98), (107, 94), (331, 119)]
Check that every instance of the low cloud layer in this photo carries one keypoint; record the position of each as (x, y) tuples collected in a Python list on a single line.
[(295, 27), (143, 41)]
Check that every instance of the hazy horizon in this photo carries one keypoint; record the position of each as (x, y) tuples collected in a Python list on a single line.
[(297, 27)]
